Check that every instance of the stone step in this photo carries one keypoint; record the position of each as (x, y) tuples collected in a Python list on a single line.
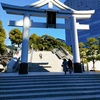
[(71, 76), (47, 86), (51, 89), (49, 77), (20, 81), (43, 81), (50, 94), (87, 97)]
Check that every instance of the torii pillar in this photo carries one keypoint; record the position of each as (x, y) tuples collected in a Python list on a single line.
[(75, 45), (23, 69)]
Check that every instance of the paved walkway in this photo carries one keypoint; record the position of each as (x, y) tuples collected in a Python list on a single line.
[(45, 73)]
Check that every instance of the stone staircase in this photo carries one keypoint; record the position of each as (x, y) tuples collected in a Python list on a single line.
[(75, 86), (49, 62)]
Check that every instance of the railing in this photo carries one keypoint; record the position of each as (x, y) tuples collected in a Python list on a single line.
[(69, 56), (62, 53)]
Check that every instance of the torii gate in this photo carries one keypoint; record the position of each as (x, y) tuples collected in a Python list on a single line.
[(33, 10)]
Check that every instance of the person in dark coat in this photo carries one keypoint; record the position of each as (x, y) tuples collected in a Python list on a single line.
[(70, 66), (64, 65)]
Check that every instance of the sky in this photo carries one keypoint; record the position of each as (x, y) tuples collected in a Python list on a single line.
[(4, 17)]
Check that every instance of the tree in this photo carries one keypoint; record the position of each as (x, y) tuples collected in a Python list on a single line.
[(98, 56), (82, 50), (2, 39), (99, 45), (92, 50), (46, 42), (15, 36), (33, 41)]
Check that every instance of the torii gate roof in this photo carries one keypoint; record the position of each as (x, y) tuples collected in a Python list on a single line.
[(34, 10), (50, 3)]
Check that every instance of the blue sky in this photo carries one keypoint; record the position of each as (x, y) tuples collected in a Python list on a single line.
[(56, 33)]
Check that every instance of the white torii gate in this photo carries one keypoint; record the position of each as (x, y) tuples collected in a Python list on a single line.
[(33, 10)]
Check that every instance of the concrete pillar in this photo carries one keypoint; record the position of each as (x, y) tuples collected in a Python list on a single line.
[(75, 46), (24, 57)]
